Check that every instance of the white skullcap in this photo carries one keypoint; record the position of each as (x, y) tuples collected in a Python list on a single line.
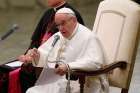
[(65, 11)]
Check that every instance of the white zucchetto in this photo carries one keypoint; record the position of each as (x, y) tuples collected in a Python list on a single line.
[(65, 11)]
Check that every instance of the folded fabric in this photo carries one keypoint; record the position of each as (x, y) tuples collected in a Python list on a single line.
[(14, 81)]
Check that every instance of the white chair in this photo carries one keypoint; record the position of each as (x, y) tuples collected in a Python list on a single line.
[(117, 26)]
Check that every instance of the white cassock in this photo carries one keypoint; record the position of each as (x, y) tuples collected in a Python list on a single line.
[(81, 51)]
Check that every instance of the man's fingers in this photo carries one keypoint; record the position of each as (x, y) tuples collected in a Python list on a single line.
[(60, 71), (22, 58), (35, 50)]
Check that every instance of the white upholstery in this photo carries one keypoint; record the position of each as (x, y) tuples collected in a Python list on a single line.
[(116, 24)]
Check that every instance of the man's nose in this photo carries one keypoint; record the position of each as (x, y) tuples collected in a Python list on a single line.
[(60, 27)]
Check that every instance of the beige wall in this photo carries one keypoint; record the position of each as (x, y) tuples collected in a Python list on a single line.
[(4, 4)]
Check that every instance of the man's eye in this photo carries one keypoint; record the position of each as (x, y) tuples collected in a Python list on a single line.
[(56, 25)]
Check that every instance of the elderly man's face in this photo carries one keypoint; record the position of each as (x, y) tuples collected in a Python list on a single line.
[(54, 3), (65, 24)]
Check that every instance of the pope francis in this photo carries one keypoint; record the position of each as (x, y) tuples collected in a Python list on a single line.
[(77, 48)]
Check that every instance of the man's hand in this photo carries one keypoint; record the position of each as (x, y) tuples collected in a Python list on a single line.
[(24, 58), (61, 69), (32, 55)]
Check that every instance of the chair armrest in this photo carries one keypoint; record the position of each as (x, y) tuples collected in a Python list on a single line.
[(105, 69), (102, 70)]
